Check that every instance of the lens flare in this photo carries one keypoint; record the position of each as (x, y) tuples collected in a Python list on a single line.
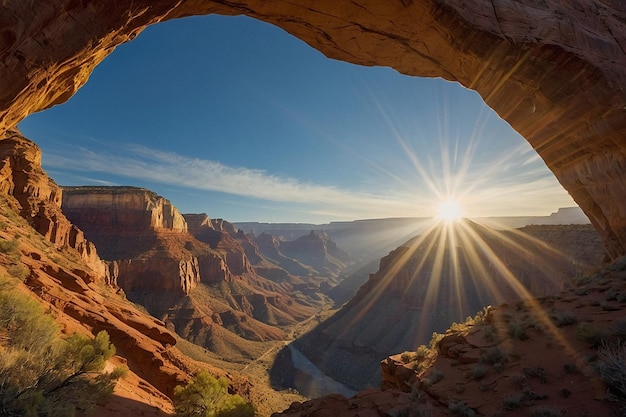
[(449, 211)]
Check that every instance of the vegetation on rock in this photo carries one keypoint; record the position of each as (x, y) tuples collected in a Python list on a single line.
[(207, 396), (42, 373)]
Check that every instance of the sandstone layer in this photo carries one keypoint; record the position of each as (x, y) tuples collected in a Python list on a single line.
[(556, 71)]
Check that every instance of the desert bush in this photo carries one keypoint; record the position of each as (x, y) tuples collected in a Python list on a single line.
[(206, 396), (493, 356), (514, 401), (564, 318), (491, 334), (590, 334), (478, 371), (18, 271), (620, 328), (460, 409), (433, 377), (519, 380), (612, 367), (422, 352), (8, 246), (41, 373), (537, 372), (435, 339), (517, 330)]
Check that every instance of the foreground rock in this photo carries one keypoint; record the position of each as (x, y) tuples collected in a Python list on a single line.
[(544, 357)]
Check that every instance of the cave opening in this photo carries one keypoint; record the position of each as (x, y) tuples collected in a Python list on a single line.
[(235, 117)]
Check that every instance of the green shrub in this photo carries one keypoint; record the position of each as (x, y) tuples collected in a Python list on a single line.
[(422, 352), (516, 329), (18, 271), (206, 396), (41, 373), (8, 246), (590, 334), (564, 318), (493, 356), (491, 334)]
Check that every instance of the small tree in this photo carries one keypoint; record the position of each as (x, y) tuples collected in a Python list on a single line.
[(206, 396), (41, 373)]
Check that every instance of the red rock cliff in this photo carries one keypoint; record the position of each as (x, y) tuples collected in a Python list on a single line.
[(39, 199), (556, 71)]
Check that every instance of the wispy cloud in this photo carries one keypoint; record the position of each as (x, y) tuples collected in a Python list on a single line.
[(484, 194), (142, 163)]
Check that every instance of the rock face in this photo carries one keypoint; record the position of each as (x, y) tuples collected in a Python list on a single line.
[(222, 236), (438, 278), (63, 270), (39, 199), (194, 276), (556, 71), (129, 225)]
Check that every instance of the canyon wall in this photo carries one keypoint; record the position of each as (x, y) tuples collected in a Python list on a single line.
[(121, 208), (38, 199), (556, 71)]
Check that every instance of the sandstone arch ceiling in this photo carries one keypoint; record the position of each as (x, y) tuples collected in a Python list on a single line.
[(555, 70)]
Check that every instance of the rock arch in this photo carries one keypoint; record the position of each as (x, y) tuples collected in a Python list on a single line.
[(556, 71)]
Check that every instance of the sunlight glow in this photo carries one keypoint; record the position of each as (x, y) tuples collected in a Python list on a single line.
[(450, 211)]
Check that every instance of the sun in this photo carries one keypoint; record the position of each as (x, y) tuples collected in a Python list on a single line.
[(449, 211)]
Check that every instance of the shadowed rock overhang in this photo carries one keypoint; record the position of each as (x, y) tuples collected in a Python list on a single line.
[(556, 71)]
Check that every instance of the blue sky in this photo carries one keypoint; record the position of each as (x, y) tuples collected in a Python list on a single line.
[(238, 119)]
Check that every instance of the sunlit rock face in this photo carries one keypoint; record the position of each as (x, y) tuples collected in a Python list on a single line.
[(556, 71), (38, 199), (121, 209)]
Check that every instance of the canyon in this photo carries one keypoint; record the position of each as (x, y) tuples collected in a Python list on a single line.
[(207, 281), (443, 277), (87, 300), (555, 71)]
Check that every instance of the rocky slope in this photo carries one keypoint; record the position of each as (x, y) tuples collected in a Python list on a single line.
[(442, 277), (63, 271), (553, 356), (556, 71)]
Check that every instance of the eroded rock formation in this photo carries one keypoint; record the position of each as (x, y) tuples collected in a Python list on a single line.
[(39, 199), (441, 277), (556, 71)]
